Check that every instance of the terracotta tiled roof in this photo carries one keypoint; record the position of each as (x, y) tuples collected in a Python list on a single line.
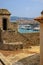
[(4, 12), (39, 18)]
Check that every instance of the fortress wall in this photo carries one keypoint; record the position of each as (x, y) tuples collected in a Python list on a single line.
[(13, 26), (16, 41), (11, 36), (33, 38)]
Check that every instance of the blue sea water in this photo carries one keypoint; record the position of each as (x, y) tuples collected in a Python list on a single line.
[(26, 31), (14, 18)]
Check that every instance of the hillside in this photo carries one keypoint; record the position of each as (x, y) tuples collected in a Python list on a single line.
[(14, 18)]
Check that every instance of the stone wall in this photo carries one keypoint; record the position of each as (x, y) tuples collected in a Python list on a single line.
[(13, 26), (33, 38), (10, 38)]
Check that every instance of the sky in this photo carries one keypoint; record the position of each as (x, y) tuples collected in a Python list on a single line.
[(23, 8)]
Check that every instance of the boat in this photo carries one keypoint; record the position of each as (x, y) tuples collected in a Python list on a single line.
[(36, 29), (27, 27)]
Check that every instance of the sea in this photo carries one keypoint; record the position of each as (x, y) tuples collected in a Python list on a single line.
[(27, 31), (20, 30)]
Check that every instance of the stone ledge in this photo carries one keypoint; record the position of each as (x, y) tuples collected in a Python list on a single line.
[(11, 47)]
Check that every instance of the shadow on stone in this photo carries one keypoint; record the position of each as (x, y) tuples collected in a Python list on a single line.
[(31, 60), (2, 63)]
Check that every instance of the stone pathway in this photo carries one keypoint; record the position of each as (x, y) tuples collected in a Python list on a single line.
[(17, 57), (3, 60), (23, 56), (9, 60)]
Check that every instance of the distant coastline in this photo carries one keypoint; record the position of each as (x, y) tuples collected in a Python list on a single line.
[(14, 18)]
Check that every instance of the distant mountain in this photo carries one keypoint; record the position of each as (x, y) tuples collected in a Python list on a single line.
[(14, 18)]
